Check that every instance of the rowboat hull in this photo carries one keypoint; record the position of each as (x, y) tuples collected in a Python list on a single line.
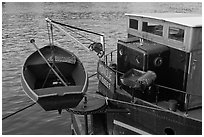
[(44, 87)]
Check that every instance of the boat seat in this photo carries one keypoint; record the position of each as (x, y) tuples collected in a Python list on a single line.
[(58, 90)]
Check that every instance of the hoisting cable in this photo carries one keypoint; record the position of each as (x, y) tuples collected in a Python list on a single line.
[(33, 42), (53, 55), (51, 40), (62, 24), (47, 77), (51, 32), (19, 111), (98, 47), (50, 35), (81, 35), (60, 28)]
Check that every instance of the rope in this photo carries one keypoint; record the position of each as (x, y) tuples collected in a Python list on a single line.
[(51, 32), (103, 108), (92, 75), (60, 28), (18, 111), (62, 24), (47, 77), (31, 105), (127, 103), (81, 35)]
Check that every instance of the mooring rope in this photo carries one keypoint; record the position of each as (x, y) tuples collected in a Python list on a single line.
[(30, 105), (92, 75), (18, 111)]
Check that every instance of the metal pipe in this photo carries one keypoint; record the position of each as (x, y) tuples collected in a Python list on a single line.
[(103, 44), (86, 124), (57, 26)]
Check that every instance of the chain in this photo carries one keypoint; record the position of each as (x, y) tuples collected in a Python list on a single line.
[(99, 110)]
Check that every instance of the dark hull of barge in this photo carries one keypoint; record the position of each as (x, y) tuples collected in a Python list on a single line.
[(140, 117)]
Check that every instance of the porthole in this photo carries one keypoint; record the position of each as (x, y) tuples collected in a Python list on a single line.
[(121, 52), (138, 59), (158, 61)]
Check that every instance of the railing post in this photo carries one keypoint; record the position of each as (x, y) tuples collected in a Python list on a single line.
[(186, 103), (102, 38)]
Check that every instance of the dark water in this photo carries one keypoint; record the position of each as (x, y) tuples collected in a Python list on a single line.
[(23, 21)]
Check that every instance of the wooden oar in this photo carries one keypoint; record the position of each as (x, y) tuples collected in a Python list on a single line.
[(33, 42)]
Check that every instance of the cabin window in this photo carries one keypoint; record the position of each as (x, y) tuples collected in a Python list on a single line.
[(156, 29), (134, 24), (176, 33)]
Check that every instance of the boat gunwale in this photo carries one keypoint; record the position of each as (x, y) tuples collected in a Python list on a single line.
[(27, 86)]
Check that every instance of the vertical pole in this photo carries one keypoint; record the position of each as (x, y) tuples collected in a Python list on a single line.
[(186, 103), (52, 45), (111, 56), (86, 124), (103, 44), (186, 72), (85, 117), (157, 93), (51, 32)]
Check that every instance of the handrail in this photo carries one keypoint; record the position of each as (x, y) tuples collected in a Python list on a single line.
[(111, 52), (160, 86)]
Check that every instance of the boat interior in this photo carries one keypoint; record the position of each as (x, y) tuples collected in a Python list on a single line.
[(42, 79)]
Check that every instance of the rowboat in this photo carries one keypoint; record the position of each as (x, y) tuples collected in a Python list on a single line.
[(43, 86)]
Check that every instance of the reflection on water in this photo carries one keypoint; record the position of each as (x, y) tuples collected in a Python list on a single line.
[(23, 21)]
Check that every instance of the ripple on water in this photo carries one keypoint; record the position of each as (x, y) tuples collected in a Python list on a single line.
[(23, 21)]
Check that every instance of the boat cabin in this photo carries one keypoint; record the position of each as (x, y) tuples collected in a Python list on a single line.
[(167, 44), (153, 85), (173, 46), (175, 30)]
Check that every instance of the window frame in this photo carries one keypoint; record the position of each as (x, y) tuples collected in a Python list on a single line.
[(130, 23), (174, 37), (149, 26)]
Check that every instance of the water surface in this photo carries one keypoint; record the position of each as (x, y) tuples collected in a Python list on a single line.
[(23, 21)]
